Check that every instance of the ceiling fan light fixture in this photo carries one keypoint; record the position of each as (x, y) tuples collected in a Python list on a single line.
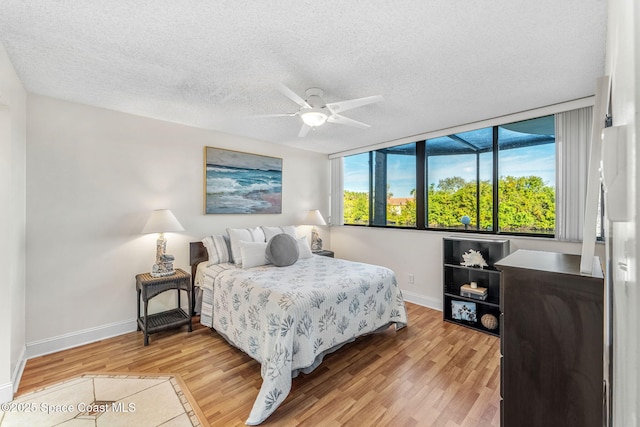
[(314, 116)]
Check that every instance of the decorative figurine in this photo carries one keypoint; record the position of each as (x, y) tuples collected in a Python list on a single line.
[(466, 221), (473, 259)]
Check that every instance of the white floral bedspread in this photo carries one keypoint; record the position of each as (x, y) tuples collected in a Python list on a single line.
[(287, 318)]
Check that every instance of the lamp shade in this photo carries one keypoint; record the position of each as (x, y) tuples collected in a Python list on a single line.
[(314, 217), (162, 221)]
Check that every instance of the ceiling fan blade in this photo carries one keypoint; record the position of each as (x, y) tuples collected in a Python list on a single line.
[(304, 130), (342, 120), (292, 96), (338, 107), (261, 116)]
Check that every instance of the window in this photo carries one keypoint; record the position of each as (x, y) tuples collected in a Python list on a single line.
[(527, 168), (356, 189), (494, 179), (460, 180), (392, 184)]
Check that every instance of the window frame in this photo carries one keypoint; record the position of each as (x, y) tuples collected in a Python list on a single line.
[(422, 187)]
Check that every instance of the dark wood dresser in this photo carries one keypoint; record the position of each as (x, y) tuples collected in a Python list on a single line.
[(552, 339)]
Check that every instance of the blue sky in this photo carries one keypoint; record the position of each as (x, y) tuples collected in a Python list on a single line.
[(537, 160)]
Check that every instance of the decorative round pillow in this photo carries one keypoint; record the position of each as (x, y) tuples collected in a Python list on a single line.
[(282, 250)]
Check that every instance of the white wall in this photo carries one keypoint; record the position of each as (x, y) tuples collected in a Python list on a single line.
[(12, 227), (623, 65), (419, 253), (94, 176)]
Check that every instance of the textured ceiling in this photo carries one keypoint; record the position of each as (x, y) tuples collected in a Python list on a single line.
[(216, 64)]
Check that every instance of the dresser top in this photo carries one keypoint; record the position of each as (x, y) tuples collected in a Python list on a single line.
[(552, 262)]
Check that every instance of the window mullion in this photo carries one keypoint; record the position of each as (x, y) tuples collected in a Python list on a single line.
[(421, 186), (496, 183), (370, 187), (380, 188), (477, 190)]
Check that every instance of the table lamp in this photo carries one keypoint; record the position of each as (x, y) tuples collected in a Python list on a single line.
[(162, 221), (314, 217)]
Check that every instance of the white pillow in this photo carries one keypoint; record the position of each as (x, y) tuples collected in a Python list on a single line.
[(253, 254), (269, 232), (304, 248), (217, 248), (237, 235)]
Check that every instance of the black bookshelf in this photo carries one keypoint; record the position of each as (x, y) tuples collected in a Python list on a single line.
[(468, 311)]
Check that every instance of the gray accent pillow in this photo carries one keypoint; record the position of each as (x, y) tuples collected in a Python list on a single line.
[(282, 250)]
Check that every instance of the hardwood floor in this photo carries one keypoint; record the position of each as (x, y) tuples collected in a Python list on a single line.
[(430, 373)]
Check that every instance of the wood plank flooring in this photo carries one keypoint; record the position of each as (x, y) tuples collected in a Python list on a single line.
[(430, 373)]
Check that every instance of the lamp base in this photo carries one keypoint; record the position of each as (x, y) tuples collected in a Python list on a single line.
[(163, 267), (168, 273), (316, 241), (164, 262), (156, 272)]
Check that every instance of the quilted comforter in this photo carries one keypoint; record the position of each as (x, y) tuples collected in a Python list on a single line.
[(288, 318)]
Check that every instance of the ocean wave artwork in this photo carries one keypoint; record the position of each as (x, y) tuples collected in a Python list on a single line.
[(242, 183)]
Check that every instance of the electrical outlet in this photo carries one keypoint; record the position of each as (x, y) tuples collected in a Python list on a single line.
[(411, 279)]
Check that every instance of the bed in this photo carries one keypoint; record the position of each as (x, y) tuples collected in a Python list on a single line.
[(289, 318)]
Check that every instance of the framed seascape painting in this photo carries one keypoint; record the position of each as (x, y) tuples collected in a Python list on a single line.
[(241, 183)]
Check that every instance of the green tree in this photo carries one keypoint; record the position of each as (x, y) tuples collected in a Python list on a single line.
[(356, 207), (526, 205)]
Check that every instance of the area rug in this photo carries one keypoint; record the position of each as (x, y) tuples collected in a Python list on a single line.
[(107, 400)]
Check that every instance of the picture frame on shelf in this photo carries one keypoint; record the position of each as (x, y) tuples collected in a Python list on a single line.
[(464, 310)]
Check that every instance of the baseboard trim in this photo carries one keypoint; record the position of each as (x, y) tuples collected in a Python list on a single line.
[(75, 339), (435, 304), (19, 369), (6, 392)]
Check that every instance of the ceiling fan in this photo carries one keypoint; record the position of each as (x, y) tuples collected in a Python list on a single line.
[(315, 112)]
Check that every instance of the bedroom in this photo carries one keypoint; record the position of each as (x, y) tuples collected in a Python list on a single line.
[(84, 180)]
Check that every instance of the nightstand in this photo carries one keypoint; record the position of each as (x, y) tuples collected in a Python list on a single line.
[(325, 252), (148, 287)]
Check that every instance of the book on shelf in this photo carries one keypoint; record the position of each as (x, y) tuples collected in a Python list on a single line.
[(479, 293)]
